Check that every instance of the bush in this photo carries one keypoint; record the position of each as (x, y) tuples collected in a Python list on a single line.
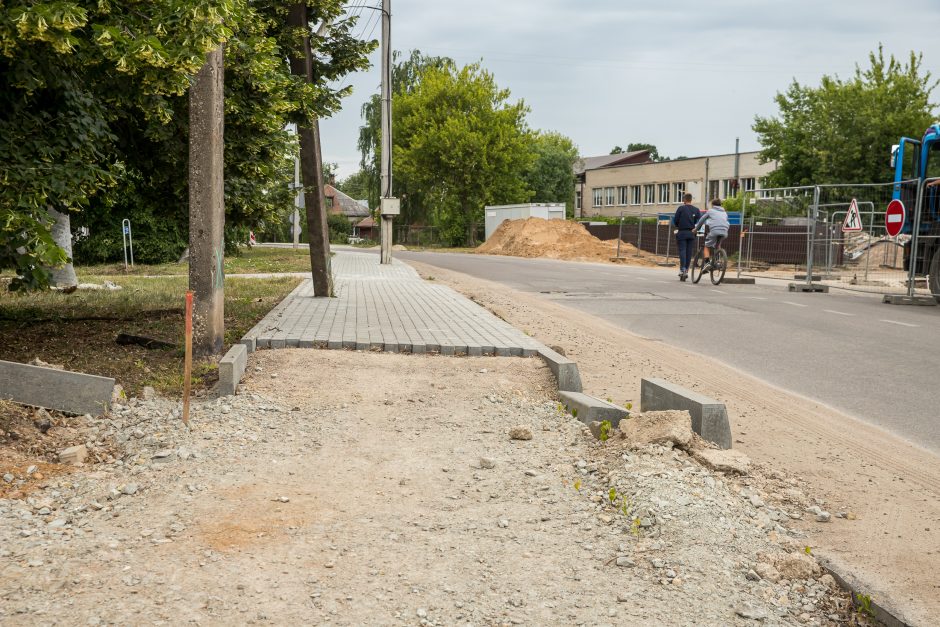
[(340, 228)]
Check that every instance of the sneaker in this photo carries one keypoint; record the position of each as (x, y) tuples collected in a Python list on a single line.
[(683, 276)]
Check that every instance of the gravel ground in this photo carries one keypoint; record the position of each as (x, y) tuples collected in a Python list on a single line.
[(358, 488)]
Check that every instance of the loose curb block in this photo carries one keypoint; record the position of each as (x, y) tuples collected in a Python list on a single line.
[(591, 409), (737, 281), (887, 616), (63, 390), (709, 417), (565, 371), (232, 368)]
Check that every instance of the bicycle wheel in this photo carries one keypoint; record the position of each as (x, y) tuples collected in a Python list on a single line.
[(719, 265), (696, 268)]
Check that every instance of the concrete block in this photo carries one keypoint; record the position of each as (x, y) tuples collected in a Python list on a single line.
[(922, 301), (732, 280), (72, 392), (809, 287), (592, 409), (73, 455), (565, 371), (232, 368), (709, 417), (251, 343)]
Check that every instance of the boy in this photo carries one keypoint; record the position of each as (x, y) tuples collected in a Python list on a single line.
[(684, 221), (717, 221)]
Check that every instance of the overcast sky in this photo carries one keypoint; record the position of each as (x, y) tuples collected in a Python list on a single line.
[(686, 75)]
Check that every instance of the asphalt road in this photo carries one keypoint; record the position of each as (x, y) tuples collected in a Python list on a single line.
[(878, 362)]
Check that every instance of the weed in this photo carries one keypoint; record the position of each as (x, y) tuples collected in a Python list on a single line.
[(430, 278), (808, 550), (635, 527), (629, 406), (574, 412), (610, 400), (577, 485), (560, 407), (612, 495), (864, 604), (605, 430)]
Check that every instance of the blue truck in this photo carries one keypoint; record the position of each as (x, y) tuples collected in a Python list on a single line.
[(914, 161)]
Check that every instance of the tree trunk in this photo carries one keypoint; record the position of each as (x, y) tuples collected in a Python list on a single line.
[(207, 206), (62, 234), (311, 172)]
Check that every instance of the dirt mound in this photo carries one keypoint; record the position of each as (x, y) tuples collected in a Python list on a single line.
[(556, 239)]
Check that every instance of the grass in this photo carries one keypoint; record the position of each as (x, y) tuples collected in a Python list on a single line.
[(78, 330), (248, 261)]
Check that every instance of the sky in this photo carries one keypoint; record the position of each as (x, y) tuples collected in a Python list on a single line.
[(686, 75)]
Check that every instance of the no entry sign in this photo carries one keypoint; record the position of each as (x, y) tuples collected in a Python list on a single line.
[(894, 217)]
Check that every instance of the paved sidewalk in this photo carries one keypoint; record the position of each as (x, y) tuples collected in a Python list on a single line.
[(387, 308)]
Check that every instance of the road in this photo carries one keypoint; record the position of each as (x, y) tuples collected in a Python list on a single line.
[(878, 362)]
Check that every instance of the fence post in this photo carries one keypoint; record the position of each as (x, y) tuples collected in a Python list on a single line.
[(741, 239), (811, 236), (620, 235), (639, 237), (915, 237)]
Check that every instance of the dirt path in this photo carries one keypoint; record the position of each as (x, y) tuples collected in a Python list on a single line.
[(349, 488), (889, 486)]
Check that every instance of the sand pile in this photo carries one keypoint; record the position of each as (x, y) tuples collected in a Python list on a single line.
[(555, 239)]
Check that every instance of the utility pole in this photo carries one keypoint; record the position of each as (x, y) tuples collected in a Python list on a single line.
[(389, 205), (737, 164), (301, 64), (207, 205), (298, 204)]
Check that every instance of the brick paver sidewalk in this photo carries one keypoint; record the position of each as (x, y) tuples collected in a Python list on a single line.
[(387, 308)]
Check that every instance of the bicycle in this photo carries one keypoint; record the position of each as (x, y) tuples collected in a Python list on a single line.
[(719, 263)]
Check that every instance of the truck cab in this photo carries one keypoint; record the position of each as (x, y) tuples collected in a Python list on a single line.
[(915, 161)]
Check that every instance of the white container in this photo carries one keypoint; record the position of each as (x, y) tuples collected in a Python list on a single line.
[(497, 214)]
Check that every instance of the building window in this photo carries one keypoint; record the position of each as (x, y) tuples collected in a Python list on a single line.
[(748, 184), (598, 196), (577, 198), (622, 195), (679, 191), (713, 187), (635, 200), (663, 193), (649, 194), (609, 191), (729, 188)]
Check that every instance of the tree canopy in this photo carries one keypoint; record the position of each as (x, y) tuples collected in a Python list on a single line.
[(551, 177), (463, 144), (95, 116), (842, 130)]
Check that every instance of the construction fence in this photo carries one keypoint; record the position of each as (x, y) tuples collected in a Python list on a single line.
[(834, 235)]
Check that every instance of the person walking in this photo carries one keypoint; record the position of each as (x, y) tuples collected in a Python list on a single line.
[(685, 219)]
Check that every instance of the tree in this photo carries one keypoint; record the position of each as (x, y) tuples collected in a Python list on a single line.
[(550, 177), (94, 101), (463, 145), (355, 185), (616, 150), (406, 74), (842, 130)]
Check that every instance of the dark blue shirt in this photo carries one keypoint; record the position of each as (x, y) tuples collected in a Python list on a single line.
[(685, 219)]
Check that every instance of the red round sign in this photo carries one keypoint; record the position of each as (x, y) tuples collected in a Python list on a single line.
[(894, 217)]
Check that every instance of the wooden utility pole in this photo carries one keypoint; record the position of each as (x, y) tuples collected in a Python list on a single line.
[(207, 206), (311, 172), (389, 206)]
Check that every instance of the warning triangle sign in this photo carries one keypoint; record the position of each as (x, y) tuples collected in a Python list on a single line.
[(853, 220)]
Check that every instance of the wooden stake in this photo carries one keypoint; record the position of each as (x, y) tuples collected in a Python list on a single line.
[(188, 363)]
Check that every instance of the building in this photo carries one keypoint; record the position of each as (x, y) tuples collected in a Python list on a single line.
[(339, 203), (608, 187)]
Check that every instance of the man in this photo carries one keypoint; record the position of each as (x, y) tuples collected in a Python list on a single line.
[(684, 221), (717, 222)]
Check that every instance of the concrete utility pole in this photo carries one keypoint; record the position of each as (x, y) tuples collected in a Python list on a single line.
[(389, 204), (310, 167), (207, 205)]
